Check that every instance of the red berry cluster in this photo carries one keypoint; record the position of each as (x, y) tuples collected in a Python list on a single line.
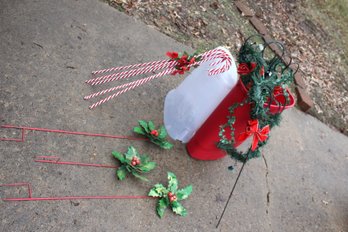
[(171, 197), (154, 133), (135, 161), (183, 62)]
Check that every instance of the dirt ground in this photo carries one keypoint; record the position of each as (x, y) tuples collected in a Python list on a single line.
[(313, 31)]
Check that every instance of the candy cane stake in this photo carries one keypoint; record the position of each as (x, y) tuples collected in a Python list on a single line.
[(136, 84), (211, 72), (130, 73), (219, 54), (154, 63)]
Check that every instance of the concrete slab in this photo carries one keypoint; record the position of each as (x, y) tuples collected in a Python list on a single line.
[(48, 49)]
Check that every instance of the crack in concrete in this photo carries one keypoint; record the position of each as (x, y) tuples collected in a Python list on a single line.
[(268, 195)]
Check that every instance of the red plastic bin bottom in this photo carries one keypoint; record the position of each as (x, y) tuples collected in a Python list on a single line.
[(202, 146)]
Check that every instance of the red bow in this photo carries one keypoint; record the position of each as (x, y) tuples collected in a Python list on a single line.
[(259, 135)]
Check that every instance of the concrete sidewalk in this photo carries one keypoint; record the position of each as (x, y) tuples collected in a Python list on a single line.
[(48, 49)]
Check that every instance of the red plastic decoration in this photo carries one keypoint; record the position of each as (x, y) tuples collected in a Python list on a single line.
[(202, 146)]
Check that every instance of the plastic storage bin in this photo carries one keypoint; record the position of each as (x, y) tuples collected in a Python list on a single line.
[(188, 106)]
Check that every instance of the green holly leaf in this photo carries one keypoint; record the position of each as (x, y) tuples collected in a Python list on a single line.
[(151, 126), (172, 182), (178, 208), (119, 156), (162, 206), (166, 145), (139, 130), (144, 125), (146, 167), (162, 133), (184, 193), (154, 193), (131, 153), (158, 191), (137, 175), (144, 159), (121, 173)]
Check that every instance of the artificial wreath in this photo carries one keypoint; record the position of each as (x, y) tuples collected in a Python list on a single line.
[(266, 82)]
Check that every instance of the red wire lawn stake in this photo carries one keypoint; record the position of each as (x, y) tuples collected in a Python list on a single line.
[(23, 129), (56, 160), (30, 198), (12, 139)]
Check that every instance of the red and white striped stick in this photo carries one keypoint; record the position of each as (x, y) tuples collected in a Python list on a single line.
[(211, 72), (135, 72), (136, 84), (130, 73), (219, 54), (108, 90), (153, 63), (112, 89), (129, 67), (151, 66)]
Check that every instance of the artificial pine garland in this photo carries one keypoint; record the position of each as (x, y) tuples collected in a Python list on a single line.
[(266, 80)]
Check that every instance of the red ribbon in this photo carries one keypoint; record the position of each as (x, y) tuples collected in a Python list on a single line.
[(259, 135)]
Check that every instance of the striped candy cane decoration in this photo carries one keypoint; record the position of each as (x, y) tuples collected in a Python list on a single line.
[(159, 65), (136, 84), (128, 84), (130, 73), (129, 67), (153, 63), (219, 54), (109, 90)]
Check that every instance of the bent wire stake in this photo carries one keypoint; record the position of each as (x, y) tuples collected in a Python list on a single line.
[(30, 198), (23, 129), (14, 139), (56, 160)]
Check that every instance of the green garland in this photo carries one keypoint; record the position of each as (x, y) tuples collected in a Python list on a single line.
[(262, 78)]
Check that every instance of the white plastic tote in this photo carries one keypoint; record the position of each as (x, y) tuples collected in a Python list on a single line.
[(188, 106)]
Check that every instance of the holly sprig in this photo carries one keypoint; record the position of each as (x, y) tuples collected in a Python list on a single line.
[(170, 196), (134, 163), (156, 136)]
